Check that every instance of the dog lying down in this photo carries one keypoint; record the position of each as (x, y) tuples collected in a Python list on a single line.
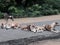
[(37, 28), (8, 26), (52, 27), (25, 27), (33, 28), (46, 27)]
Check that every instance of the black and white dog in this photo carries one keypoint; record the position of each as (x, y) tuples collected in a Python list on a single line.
[(7, 16)]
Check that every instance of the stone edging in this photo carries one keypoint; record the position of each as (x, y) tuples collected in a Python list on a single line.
[(26, 41)]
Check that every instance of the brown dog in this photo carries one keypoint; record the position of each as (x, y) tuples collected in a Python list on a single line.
[(51, 27), (27, 27)]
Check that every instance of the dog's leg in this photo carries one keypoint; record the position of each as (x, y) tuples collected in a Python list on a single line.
[(39, 30), (34, 30), (56, 31)]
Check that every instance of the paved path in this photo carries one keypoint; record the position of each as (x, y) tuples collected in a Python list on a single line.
[(11, 34)]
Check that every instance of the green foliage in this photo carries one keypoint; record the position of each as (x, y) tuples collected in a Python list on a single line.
[(54, 3), (37, 10), (3, 5), (12, 9), (33, 11), (48, 10), (30, 8), (1, 15), (16, 12)]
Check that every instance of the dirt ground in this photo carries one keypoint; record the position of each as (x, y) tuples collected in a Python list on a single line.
[(47, 42), (31, 20)]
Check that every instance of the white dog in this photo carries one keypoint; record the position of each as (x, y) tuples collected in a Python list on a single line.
[(37, 28), (5, 26)]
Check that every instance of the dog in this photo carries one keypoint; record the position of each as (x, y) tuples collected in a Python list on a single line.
[(15, 25), (51, 27), (2, 25), (5, 26), (7, 16), (26, 27), (37, 28), (46, 27)]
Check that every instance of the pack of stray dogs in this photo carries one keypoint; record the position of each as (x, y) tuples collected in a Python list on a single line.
[(32, 27)]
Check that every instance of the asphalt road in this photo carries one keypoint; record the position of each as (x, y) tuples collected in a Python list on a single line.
[(12, 34)]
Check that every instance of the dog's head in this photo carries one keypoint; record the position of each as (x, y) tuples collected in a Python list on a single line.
[(2, 24), (28, 25), (55, 23)]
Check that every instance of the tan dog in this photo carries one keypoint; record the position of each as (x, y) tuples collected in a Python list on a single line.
[(51, 27), (15, 25), (26, 27)]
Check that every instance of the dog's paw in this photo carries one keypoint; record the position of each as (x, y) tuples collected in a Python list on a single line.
[(56, 31)]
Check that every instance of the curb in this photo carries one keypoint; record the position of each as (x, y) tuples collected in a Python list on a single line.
[(26, 41)]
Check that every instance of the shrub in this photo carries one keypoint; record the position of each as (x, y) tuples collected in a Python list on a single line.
[(16, 12), (33, 11), (48, 10), (1, 15), (12, 9)]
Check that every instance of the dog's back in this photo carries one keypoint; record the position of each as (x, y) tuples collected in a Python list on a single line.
[(47, 27), (27, 27)]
